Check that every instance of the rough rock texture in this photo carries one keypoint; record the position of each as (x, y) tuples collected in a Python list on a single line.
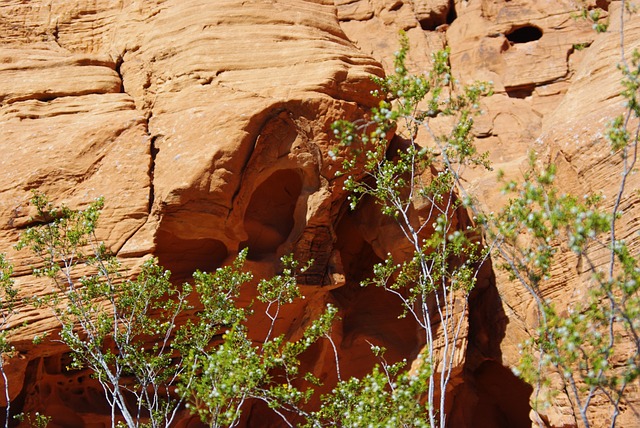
[(206, 127)]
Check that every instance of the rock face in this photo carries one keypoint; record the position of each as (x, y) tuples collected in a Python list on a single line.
[(206, 126)]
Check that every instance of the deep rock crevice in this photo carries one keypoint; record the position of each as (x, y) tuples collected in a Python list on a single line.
[(153, 152)]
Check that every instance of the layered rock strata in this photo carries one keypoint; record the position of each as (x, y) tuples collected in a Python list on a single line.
[(206, 127)]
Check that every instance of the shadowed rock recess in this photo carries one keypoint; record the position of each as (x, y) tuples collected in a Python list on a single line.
[(206, 127)]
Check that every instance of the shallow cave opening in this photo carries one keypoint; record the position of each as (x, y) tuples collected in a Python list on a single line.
[(369, 315), (520, 92), (432, 22), (184, 256), (524, 34), (269, 218)]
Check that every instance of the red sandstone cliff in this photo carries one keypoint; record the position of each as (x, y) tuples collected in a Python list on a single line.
[(205, 125)]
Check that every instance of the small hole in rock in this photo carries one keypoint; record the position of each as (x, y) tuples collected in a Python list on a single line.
[(526, 34), (520, 92)]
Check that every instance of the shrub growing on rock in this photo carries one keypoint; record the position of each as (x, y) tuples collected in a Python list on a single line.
[(126, 331)]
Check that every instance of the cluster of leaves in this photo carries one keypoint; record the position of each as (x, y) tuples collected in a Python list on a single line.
[(434, 283), (106, 320), (593, 345), (126, 331), (582, 343), (387, 397), (34, 420), (8, 302), (594, 16), (219, 380)]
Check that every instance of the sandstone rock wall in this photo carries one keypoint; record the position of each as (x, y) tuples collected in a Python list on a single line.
[(205, 124)]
